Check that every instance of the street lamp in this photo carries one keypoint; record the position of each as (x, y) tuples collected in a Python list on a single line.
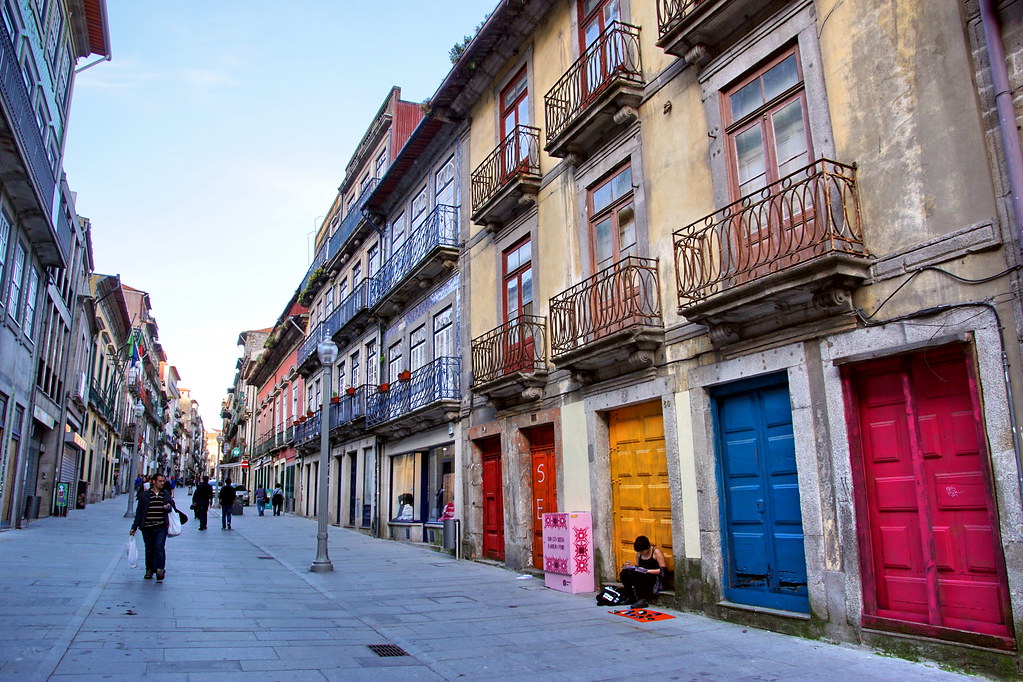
[(138, 409), (327, 353)]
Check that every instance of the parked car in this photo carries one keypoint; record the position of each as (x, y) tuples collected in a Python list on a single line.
[(241, 493)]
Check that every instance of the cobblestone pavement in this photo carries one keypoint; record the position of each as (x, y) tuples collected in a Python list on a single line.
[(242, 605)]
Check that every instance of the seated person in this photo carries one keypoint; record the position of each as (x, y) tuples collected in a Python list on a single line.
[(646, 577)]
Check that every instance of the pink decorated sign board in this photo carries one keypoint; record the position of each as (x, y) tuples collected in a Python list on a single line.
[(568, 551)]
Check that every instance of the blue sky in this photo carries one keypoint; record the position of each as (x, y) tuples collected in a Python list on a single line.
[(213, 142)]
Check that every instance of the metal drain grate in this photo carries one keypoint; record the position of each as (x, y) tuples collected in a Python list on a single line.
[(385, 650)]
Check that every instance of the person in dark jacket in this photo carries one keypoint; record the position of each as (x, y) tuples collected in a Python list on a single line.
[(151, 516), (227, 497), (202, 498)]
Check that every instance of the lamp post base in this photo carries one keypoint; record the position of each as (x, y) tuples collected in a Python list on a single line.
[(322, 566)]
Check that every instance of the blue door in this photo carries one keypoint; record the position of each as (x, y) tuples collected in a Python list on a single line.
[(762, 522)]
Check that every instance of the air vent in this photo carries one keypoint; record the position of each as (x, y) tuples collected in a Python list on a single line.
[(386, 650)]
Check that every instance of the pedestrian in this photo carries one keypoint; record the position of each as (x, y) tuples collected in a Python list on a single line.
[(227, 496), (260, 499), (278, 500), (138, 483), (172, 482), (143, 486), (202, 498), (151, 516)]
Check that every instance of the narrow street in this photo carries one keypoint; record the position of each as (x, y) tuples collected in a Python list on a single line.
[(243, 605)]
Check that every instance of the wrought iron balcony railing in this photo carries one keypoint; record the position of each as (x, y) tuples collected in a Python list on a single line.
[(519, 345), (354, 303), (434, 382), (670, 13), (439, 229), (613, 56), (350, 407), (308, 430), (517, 154), (23, 122), (621, 296), (351, 220), (805, 215), (289, 435)]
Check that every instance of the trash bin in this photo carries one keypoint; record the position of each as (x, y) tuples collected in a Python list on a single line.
[(32, 504), (450, 533), (237, 508)]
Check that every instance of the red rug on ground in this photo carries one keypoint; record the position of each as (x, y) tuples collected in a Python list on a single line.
[(642, 615)]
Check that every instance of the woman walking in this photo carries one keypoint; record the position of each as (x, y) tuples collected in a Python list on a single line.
[(151, 516)]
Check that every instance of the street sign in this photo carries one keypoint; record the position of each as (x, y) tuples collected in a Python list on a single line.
[(245, 464), (236, 452)]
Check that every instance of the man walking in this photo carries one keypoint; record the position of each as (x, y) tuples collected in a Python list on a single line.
[(227, 497), (260, 499), (278, 500), (202, 498)]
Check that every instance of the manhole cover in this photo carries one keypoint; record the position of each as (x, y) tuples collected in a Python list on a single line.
[(385, 650)]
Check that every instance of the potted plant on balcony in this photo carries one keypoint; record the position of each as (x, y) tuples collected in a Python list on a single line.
[(309, 413), (335, 399), (350, 390), (301, 420), (384, 387), (404, 375)]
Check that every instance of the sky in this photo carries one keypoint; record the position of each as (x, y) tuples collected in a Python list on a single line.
[(211, 145)]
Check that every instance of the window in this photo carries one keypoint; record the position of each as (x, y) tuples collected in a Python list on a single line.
[(342, 290), (353, 369), (11, 21), (514, 104), (17, 273), (364, 184), (440, 491), (330, 300), (356, 274), (612, 219), (372, 258), (765, 123), (594, 18), (53, 35), (381, 165), (397, 233), (518, 280), (28, 72), (5, 236), (419, 210), (294, 399), (371, 363), (445, 183), (394, 360), (417, 348), (443, 334), (403, 487), (317, 395), (30, 301), (340, 375)]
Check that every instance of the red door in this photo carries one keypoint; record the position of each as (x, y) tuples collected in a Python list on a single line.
[(545, 488), (493, 500), (931, 549)]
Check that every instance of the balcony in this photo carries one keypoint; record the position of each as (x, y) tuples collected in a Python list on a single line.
[(508, 179), (609, 324), (790, 253), (351, 222), (429, 398), (431, 251), (712, 24), (347, 416), (598, 95), (307, 433), (341, 324), (509, 363), (29, 180), (289, 436)]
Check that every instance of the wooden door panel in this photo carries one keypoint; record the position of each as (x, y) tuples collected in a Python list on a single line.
[(928, 494), (493, 500)]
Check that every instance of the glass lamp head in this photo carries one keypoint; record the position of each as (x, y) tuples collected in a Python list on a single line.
[(327, 352)]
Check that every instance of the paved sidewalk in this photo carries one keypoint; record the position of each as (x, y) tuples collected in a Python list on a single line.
[(242, 605)]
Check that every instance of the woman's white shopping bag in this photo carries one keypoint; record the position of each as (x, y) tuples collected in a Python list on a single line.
[(133, 553), (173, 523)]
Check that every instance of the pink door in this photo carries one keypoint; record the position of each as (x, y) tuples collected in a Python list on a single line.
[(931, 549)]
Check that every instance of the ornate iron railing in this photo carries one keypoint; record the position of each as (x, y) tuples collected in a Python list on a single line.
[(519, 345), (307, 430), (289, 435), (439, 229), (355, 302), (103, 402), (613, 56), (621, 296), (517, 154), (351, 220), (807, 214), (26, 127), (352, 406), (670, 13), (436, 381)]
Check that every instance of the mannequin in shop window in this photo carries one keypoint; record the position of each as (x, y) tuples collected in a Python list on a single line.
[(405, 511)]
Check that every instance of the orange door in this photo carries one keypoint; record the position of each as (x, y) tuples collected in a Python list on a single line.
[(493, 500), (641, 496), (545, 488)]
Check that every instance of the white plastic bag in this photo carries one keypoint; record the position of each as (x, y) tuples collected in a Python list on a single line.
[(133, 553), (173, 523)]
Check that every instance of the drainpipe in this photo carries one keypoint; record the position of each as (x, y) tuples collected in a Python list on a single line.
[(1006, 110)]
